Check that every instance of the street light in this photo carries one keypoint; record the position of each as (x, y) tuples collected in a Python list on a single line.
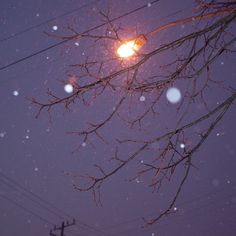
[(129, 48)]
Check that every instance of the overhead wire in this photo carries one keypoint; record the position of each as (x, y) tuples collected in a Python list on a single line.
[(34, 195), (96, 27), (88, 227), (55, 45), (76, 35), (193, 200), (130, 230), (36, 215), (133, 229), (26, 209), (21, 206), (31, 199), (61, 58), (13, 35)]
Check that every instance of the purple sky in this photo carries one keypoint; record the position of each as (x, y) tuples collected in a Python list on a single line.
[(35, 153)]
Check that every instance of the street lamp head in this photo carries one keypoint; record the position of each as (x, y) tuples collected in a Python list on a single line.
[(130, 47)]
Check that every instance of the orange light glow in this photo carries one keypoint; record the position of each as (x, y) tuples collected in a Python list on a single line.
[(129, 48)]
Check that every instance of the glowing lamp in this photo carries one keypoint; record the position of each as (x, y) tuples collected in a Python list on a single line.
[(129, 48)]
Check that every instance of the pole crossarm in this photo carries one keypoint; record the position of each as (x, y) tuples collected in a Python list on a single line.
[(61, 228)]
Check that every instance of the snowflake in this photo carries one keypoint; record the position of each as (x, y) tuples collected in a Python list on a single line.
[(68, 88), (55, 27), (142, 99), (173, 95), (2, 134), (15, 93)]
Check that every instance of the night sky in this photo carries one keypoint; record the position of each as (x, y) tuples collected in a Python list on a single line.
[(36, 154)]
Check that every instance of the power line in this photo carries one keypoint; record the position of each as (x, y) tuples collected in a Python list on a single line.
[(59, 59), (49, 222), (31, 199), (88, 227), (75, 36), (133, 229), (203, 196), (56, 60), (34, 195), (101, 232), (47, 21), (26, 209)]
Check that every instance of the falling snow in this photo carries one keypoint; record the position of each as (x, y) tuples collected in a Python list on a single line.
[(142, 98), (43, 149), (68, 88), (15, 93), (55, 27), (173, 95), (2, 134)]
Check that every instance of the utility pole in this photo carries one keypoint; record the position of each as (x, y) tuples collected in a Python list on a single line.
[(61, 228)]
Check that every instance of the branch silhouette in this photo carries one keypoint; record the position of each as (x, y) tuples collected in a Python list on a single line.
[(192, 57)]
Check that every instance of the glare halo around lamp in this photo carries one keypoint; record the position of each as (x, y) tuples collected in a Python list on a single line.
[(131, 47)]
